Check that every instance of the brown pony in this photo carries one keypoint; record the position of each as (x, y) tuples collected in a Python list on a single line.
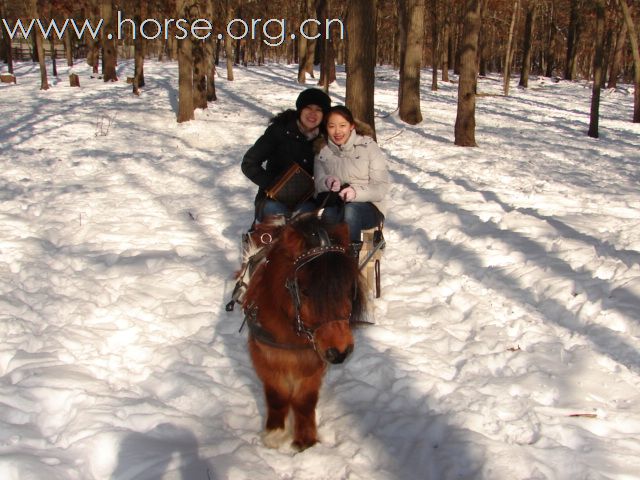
[(300, 304)]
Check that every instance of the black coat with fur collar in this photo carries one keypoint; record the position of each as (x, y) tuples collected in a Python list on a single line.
[(280, 146)]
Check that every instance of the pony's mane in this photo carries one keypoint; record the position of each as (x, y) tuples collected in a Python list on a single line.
[(327, 276)]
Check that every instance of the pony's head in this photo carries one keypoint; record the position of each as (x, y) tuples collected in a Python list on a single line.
[(315, 284)]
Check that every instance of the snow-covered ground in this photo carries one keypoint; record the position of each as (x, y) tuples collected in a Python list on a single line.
[(506, 343)]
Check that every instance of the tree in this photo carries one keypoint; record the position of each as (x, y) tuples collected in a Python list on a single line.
[(508, 56), (139, 48), (199, 60), (526, 47), (466, 116), (109, 47), (210, 57), (618, 51), (550, 40), (412, 12), (185, 68), (306, 47), (6, 40), (573, 36), (228, 44), (93, 54), (327, 54), (361, 59), (44, 83), (597, 69), (633, 37), (446, 45), (435, 47)]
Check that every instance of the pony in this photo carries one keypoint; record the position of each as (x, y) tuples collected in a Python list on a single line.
[(300, 304)]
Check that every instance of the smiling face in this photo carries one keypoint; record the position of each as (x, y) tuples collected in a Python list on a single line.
[(310, 117), (339, 128)]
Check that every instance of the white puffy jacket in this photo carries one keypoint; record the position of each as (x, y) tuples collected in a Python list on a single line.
[(360, 163)]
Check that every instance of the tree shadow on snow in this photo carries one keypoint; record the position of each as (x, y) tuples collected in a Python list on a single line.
[(164, 449), (611, 343)]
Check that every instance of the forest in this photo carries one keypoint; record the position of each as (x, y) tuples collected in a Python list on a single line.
[(589, 40)]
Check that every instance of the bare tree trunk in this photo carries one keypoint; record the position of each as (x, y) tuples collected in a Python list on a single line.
[(211, 56), (327, 54), (6, 40), (109, 47), (614, 71), (597, 69), (361, 59), (508, 54), (54, 64), (312, 30), (466, 116), (93, 54), (185, 70), (228, 43), (606, 54), (44, 83), (302, 59), (198, 10), (402, 43), (139, 48), (528, 34), (572, 41), (633, 37), (550, 43), (397, 37), (409, 92), (68, 48), (435, 51), (445, 45), (9, 55)]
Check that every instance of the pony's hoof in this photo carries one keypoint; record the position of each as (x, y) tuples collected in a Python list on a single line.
[(301, 445), (275, 438)]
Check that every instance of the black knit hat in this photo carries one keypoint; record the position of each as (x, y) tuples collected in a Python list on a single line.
[(313, 96)]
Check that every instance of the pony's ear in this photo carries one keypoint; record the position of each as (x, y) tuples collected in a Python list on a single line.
[(340, 232)]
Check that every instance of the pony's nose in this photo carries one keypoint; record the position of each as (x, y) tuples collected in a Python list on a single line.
[(335, 356)]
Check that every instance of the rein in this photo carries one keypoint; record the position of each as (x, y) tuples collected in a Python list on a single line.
[(262, 335), (294, 290), (259, 333)]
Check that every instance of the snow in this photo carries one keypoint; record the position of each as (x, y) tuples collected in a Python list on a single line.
[(506, 342)]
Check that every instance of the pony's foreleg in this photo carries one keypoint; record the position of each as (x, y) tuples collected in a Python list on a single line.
[(303, 404), (277, 410)]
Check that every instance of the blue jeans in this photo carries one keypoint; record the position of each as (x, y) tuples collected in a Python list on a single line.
[(358, 215), (272, 207)]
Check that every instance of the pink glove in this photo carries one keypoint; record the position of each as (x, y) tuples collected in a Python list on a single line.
[(332, 183), (348, 194)]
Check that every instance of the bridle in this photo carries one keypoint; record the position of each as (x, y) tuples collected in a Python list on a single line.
[(260, 334), (292, 286)]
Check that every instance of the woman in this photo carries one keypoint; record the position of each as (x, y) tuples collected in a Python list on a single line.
[(288, 140), (353, 166)]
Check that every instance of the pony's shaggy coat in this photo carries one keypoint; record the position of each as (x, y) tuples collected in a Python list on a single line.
[(331, 300)]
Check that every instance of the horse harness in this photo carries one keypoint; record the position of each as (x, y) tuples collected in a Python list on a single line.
[(262, 335)]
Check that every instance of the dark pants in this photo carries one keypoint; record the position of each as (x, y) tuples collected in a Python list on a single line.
[(271, 207), (358, 215)]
